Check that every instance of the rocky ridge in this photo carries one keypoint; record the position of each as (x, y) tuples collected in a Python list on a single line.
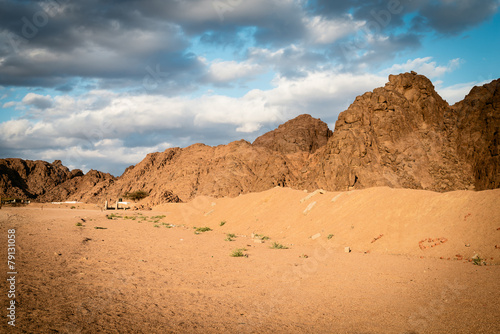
[(402, 135)]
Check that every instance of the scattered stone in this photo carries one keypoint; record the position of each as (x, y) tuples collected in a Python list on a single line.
[(431, 242), (319, 191), (336, 197), (375, 239), (347, 249), (316, 236), (309, 208)]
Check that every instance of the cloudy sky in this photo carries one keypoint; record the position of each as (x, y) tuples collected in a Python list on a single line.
[(99, 84)]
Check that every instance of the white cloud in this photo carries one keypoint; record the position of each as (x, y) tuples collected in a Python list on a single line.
[(455, 93), (38, 101), (325, 31), (425, 66), (9, 104), (230, 71), (113, 130)]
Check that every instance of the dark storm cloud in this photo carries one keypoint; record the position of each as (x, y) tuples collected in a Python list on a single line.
[(291, 62), (47, 43), (119, 43), (452, 17), (46, 46), (352, 52), (443, 16)]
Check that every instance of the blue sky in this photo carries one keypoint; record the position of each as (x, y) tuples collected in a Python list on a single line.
[(99, 84)]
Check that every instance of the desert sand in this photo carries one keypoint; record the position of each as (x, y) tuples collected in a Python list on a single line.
[(410, 268)]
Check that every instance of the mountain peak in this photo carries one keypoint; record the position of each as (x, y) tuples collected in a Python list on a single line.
[(301, 134)]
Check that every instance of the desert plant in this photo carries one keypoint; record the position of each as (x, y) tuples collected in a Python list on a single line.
[(136, 195), (156, 225), (73, 207), (261, 237), (239, 252), (222, 223), (79, 224), (330, 236), (203, 229), (477, 261), (100, 228), (277, 245)]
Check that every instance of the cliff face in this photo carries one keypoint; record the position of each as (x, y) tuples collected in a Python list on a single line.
[(89, 188), (226, 170), (400, 135), (30, 179), (478, 134), (403, 135), (301, 134)]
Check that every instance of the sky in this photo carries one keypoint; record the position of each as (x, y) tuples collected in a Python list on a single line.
[(100, 84)]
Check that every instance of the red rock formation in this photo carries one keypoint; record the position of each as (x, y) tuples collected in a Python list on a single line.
[(401, 135), (301, 134), (478, 134), (29, 179)]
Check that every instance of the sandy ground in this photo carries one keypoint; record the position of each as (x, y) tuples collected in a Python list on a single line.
[(148, 272)]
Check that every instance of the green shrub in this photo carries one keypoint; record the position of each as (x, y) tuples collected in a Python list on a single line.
[(222, 223), (203, 229), (239, 252), (276, 245), (136, 195)]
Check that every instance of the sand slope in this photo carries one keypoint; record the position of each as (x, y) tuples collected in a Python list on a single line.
[(466, 221), (148, 272)]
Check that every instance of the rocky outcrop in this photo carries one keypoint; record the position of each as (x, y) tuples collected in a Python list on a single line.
[(29, 179), (225, 170), (402, 135), (89, 188), (478, 134), (301, 134)]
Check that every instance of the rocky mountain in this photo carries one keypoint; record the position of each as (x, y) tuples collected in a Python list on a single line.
[(478, 134), (83, 188), (30, 179), (402, 135), (48, 182), (302, 134)]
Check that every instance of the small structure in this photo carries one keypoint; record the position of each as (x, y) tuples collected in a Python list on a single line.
[(119, 205)]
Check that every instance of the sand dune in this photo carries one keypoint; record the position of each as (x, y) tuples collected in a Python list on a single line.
[(148, 272), (460, 222)]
